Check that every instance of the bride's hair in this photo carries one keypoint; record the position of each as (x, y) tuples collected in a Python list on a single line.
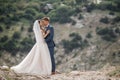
[(46, 19), (39, 21)]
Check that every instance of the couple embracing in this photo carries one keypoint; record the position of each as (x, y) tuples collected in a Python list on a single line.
[(40, 59)]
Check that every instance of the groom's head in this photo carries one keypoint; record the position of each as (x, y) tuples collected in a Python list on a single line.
[(46, 21)]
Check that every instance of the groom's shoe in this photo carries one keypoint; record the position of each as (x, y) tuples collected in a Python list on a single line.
[(57, 72), (53, 73)]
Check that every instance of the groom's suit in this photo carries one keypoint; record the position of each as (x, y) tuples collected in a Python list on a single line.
[(51, 45)]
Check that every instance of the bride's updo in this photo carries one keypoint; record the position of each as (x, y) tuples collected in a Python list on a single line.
[(41, 23)]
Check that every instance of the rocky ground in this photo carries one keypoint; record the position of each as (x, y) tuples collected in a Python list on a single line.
[(6, 74)]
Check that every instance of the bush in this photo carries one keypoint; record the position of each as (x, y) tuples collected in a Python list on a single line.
[(16, 35), (117, 30), (53, 16), (107, 34), (63, 14), (89, 35), (80, 16), (4, 39), (28, 17), (1, 29), (40, 15), (112, 33), (78, 10), (112, 5), (27, 44), (74, 43), (30, 29), (22, 27), (90, 7), (30, 11), (104, 20), (103, 31), (81, 1), (116, 19), (7, 26), (10, 46), (108, 38), (111, 13), (16, 17), (73, 22), (76, 37), (105, 6)]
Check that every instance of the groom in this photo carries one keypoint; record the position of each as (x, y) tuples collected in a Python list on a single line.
[(49, 41)]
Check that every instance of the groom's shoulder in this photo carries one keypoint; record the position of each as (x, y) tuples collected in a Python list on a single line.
[(51, 26)]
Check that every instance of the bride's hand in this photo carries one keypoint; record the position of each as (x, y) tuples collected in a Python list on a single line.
[(43, 32), (46, 34)]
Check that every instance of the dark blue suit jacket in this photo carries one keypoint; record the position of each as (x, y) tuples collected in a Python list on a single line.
[(49, 38)]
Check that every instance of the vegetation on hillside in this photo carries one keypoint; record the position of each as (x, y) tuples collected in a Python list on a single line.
[(76, 42), (18, 15)]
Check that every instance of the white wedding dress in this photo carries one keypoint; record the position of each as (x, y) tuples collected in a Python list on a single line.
[(38, 60)]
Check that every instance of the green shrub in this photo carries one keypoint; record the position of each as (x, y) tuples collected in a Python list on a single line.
[(104, 20), (63, 14), (40, 15), (117, 30), (16, 35), (81, 1), (22, 27), (103, 31), (80, 16), (53, 16), (90, 7), (7, 26), (30, 29), (74, 43), (77, 9), (16, 17), (75, 36), (27, 44), (112, 5), (116, 19), (1, 28), (73, 22), (31, 11), (28, 17), (10, 46), (111, 13), (89, 35), (107, 34), (4, 39), (1, 53), (108, 38)]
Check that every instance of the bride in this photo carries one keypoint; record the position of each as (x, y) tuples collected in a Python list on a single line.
[(38, 60)]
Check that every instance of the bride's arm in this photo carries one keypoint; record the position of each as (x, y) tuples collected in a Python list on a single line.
[(45, 35)]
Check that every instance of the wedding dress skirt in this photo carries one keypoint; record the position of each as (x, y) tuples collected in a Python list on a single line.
[(38, 60)]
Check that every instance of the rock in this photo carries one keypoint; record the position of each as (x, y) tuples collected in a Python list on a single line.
[(4, 68)]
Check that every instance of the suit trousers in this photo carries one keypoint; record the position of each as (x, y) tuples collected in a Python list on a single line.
[(51, 49)]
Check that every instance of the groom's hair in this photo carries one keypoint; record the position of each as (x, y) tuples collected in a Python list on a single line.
[(46, 19)]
